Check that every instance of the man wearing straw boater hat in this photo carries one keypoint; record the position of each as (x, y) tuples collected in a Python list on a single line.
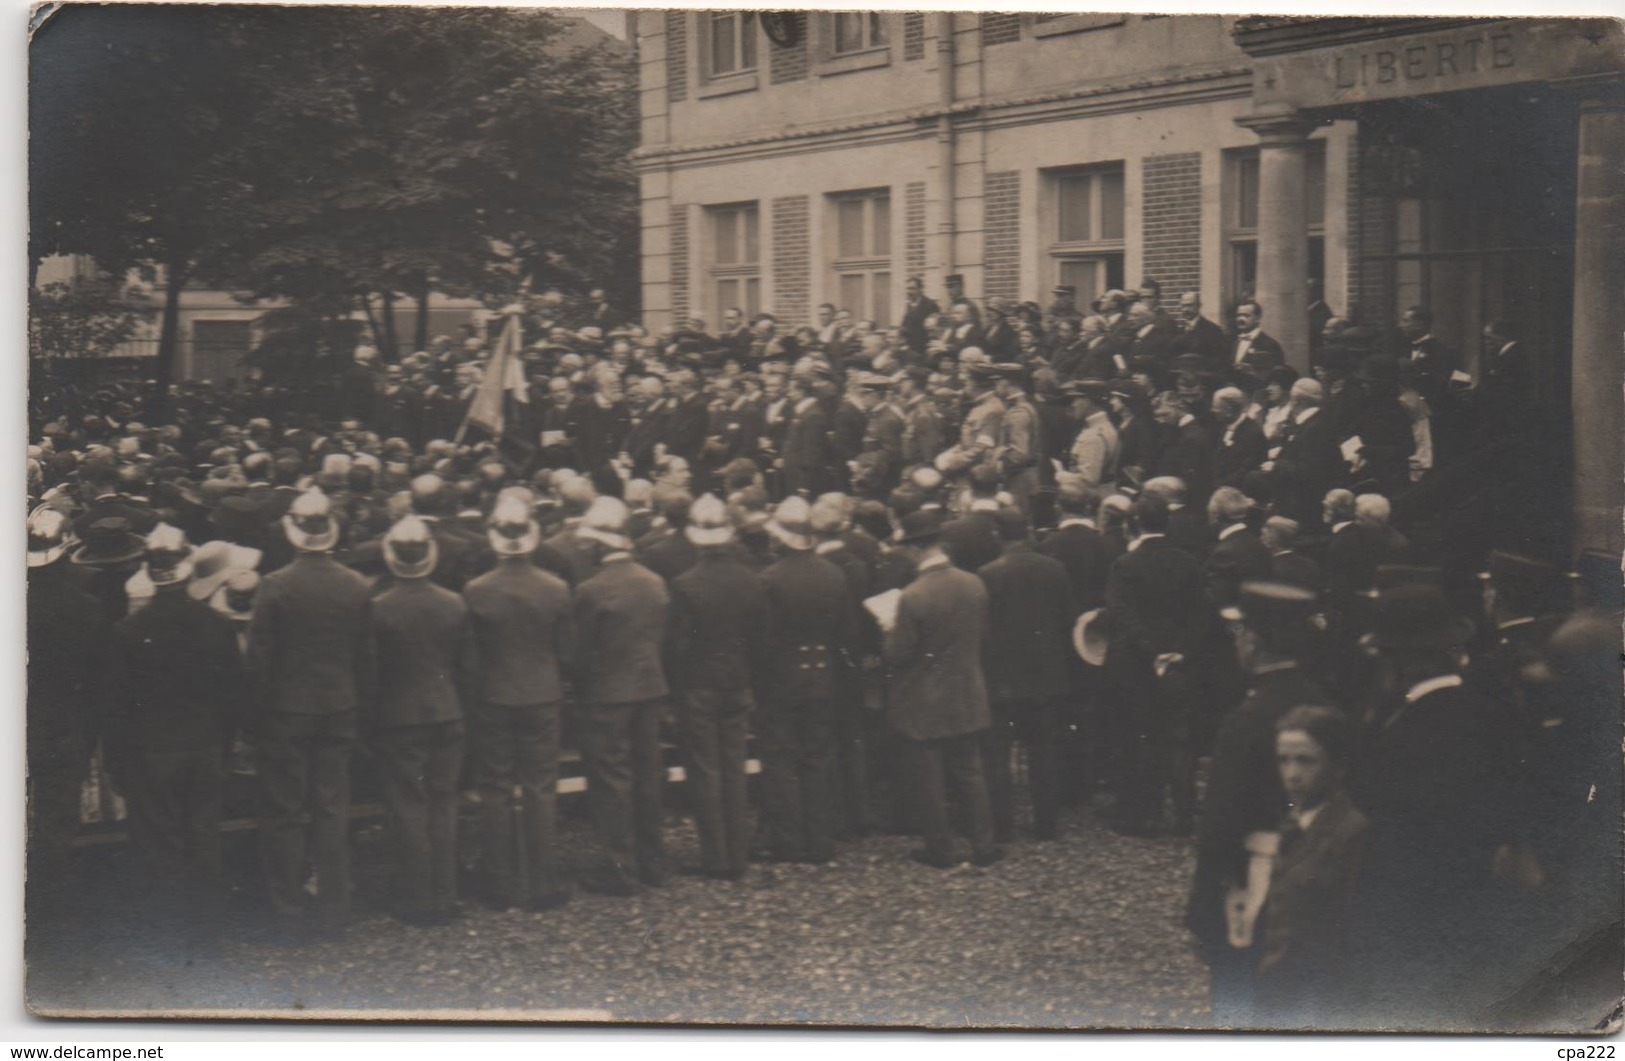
[(309, 654), (525, 628), (621, 686), (427, 669), (176, 680), (719, 630), (68, 638)]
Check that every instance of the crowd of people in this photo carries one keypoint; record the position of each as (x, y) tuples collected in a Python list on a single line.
[(1135, 545)]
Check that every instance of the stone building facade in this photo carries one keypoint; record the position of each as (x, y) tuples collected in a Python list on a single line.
[(792, 159)]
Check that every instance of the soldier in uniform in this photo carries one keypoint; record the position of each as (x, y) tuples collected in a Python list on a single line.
[(1096, 449), (524, 625), (1020, 445), (309, 652), (812, 634), (621, 615), (427, 669), (979, 434), (720, 624)]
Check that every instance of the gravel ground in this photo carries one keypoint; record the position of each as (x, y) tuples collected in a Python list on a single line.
[(1084, 932)]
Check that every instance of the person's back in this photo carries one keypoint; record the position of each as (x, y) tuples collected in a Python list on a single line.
[(813, 623), (176, 674), (1031, 613), (308, 637), (523, 624), (621, 614), (935, 652), (425, 653), (720, 619)]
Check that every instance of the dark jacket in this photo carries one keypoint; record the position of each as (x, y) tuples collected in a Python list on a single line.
[(1154, 601), (1087, 555), (524, 625), (1206, 340), (426, 654), (806, 449), (1295, 569), (68, 644), (934, 653), (685, 428), (1243, 453), (1031, 612), (913, 326), (667, 552), (308, 644), (1238, 558), (1308, 465), (719, 625), (1188, 455), (814, 629), (1189, 529), (621, 617), (176, 677), (1264, 354)]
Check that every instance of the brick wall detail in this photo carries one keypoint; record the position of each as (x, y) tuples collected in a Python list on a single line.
[(914, 35), (789, 64), (791, 269), (1001, 235), (679, 262), (676, 56), (1171, 220), (914, 228), (1000, 29)]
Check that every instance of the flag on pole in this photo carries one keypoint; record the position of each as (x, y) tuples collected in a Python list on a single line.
[(500, 405)]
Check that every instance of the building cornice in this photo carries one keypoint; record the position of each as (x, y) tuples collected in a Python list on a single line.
[(1276, 35), (1142, 93)]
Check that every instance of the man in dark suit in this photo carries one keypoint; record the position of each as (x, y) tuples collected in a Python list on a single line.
[(427, 669), (525, 629), (176, 676), (1188, 452), (621, 614), (1430, 359), (1199, 336), (1241, 446), (939, 703), (806, 454), (1306, 463), (310, 655), (812, 638), (68, 642), (1280, 537), (1028, 674), (1435, 782), (665, 550), (687, 419), (1188, 527), (1254, 349), (1506, 380), (918, 307), (1244, 793), (719, 635), (1238, 555), (1078, 544), (1158, 617)]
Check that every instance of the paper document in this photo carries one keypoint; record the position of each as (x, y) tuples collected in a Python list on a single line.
[(884, 608), (1351, 448), (1459, 376), (552, 438)]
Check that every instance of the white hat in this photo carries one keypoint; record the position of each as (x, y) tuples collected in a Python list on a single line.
[(511, 531), (309, 524), (605, 522), (410, 549), (708, 522), (49, 535), (169, 555), (216, 561)]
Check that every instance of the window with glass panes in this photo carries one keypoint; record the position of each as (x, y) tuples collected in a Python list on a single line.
[(730, 39), (861, 257), (1241, 218), (856, 31), (1086, 241), (735, 251)]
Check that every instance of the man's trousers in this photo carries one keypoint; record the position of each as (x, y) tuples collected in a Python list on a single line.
[(1036, 724), (797, 744), (715, 724), (420, 765), (304, 762), (515, 750), (620, 748), (933, 767)]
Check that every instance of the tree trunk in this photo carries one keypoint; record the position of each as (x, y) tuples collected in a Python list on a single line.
[(372, 320), (420, 334), (168, 338), (391, 346)]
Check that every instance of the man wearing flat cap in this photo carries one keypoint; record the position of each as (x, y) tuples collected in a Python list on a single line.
[(1096, 449)]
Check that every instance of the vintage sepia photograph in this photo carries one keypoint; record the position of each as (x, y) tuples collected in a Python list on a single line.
[(825, 519)]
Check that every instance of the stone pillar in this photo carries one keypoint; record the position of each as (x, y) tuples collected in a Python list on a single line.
[(1599, 334), (1283, 229)]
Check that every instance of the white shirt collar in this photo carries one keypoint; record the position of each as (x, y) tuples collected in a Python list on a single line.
[(1306, 818), (1234, 528), (1141, 540), (984, 504), (935, 563), (1077, 521), (1250, 336), (1432, 685), (1339, 526), (1186, 419), (1306, 415), (806, 403), (825, 548)]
